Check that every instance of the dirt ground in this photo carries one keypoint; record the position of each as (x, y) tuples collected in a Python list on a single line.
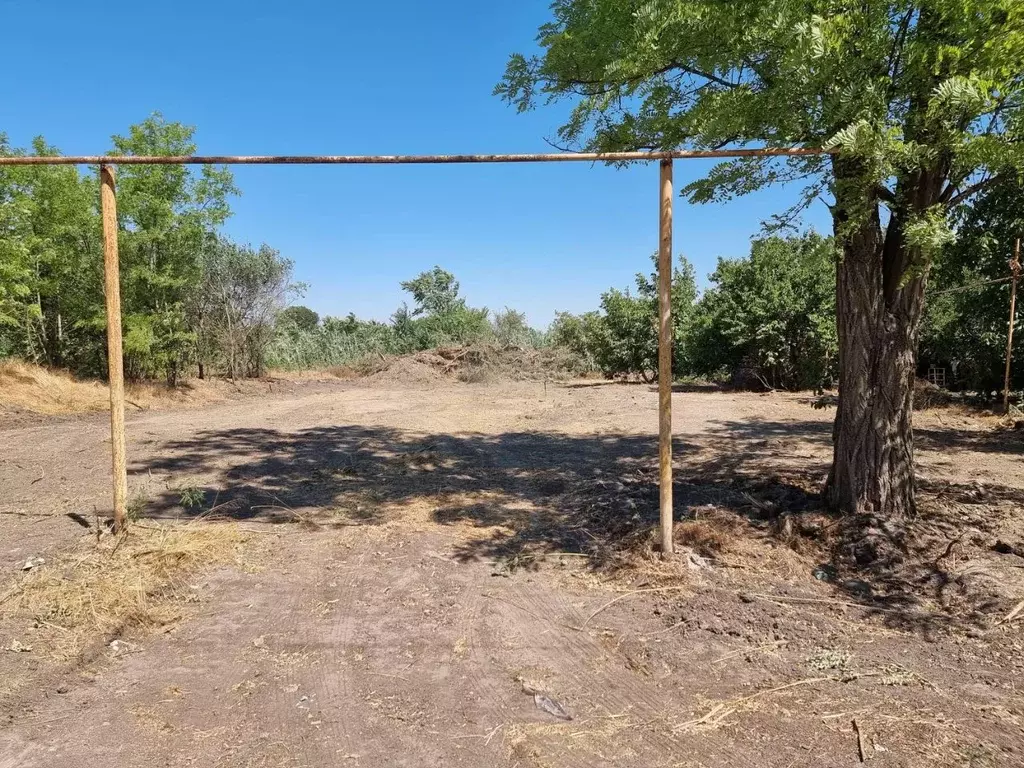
[(438, 567)]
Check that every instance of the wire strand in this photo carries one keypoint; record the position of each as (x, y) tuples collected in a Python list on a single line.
[(972, 285)]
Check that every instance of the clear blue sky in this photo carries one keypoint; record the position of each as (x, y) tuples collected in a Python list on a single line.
[(408, 76)]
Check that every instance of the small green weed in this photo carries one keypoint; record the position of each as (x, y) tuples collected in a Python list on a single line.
[(192, 497), (135, 507), (829, 659)]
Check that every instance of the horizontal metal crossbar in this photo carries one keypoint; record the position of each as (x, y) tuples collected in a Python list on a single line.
[(561, 157)]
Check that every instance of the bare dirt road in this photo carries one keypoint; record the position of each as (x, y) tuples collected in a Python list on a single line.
[(430, 561)]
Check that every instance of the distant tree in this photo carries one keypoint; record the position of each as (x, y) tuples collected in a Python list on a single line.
[(303, 318), (631, 323), (435, 292), (631, 335), (244, 290), (168, 215), (773, 312), (965, 324), (511, 329), (584, 335), (50, 277), (622, 339), (440, 316)]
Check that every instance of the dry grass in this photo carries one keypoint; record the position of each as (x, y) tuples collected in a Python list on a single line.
[(30, 387), (357, 369), (128, 585), (33, 388), (717, 534)]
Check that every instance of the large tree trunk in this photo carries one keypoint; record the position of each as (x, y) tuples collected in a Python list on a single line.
[(879, 308)]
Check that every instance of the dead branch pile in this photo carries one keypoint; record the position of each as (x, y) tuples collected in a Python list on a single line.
[(475, 363)]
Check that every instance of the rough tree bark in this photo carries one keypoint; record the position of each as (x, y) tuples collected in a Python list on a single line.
[(880, 302)]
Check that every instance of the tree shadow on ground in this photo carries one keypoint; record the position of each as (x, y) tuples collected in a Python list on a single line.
[(269, 475), (524, 496), (946, 544), (983, 441)]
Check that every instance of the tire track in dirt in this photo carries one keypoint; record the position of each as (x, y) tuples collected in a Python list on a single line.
[(338, 677), (295, 651), (523, 632), (578, 673), (407, 686), (482, 666)]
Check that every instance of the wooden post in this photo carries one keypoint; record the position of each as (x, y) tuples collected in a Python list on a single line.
[(115, 361), (1015, 269), (665, 357)]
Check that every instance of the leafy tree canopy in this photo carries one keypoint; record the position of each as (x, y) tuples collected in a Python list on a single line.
[(904, 86), (303, 318), (771, 316), (622, 339), (435, 292), (966, 321)]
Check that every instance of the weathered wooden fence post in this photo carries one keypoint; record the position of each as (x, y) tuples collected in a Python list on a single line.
[(665, 357), (115, 360)]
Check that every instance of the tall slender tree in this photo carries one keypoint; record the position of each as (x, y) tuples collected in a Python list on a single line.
[(168, 215), (922, 98)]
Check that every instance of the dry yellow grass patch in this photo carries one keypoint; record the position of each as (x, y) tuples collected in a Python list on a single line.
[(37, 389), (132, 584), (41, 390), (710, 537)]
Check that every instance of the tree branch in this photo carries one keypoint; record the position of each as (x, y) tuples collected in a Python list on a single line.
[(896, 55), (885, 194), (602, 86), (951, 197)]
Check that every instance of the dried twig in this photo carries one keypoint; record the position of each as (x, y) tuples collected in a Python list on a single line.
[(664, 631), (837, 715), (722, 710), (794, 684), (623, 596), (844, 603), (514, 605), (861, 749), (1012, 614), (22, 513), (385, 674), (740, 651), (714, 717)]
